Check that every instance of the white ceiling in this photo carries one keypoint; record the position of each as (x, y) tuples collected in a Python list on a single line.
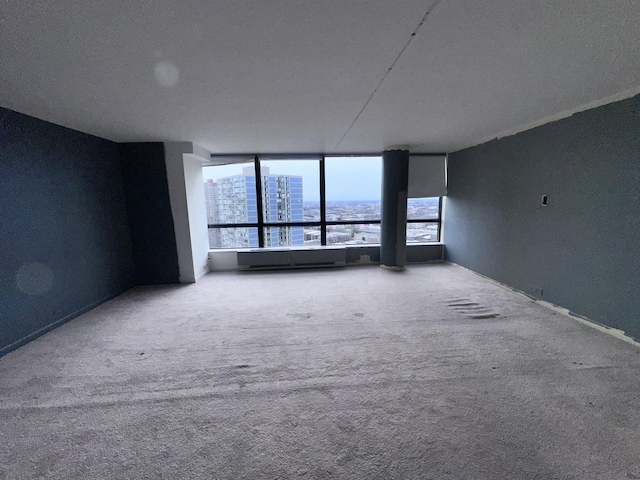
[(292, 75)]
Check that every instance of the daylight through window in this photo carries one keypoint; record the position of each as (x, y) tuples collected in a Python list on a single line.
[(326, 200)]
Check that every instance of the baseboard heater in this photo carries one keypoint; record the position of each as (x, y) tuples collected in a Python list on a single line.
[(271, 259)]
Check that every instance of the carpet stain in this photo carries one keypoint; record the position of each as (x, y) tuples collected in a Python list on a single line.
[(143, 355), (471, 309)]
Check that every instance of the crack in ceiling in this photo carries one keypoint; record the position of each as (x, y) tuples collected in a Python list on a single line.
[(406, 45)]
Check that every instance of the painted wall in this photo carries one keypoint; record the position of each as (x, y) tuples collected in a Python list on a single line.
[(64, 237), (582, 251), (149, 211), (186, 191), (196, 205)]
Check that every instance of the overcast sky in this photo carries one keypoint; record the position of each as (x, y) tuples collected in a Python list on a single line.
[(347, 178)]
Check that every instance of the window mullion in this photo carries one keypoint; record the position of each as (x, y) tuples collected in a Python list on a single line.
[(440, 219), (256, 165), (323, 205)]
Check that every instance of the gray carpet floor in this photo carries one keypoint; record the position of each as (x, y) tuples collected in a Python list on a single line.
[(355, 373)]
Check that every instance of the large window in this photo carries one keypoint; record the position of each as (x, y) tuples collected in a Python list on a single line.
[(290, 195), (353, 192), (423, 220), (232, 209), (315, 200)]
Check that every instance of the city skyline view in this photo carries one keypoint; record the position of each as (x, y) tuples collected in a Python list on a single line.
[(347, 178), (291, 194), (233, 199)]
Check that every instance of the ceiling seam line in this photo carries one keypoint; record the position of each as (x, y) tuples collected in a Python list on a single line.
[(393, 64)]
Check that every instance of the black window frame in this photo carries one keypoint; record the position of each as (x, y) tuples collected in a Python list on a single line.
[(322, 223)]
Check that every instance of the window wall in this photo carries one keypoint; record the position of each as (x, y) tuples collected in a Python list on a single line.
[(232, 209), (353, 199), (308, 201), (423, 219)]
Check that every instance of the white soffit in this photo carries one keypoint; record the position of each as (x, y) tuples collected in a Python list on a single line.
[(427, 176), (291, 76)]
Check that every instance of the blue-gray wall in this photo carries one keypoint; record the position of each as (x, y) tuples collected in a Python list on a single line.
[(153, 238), (582, 251), (64, 236)]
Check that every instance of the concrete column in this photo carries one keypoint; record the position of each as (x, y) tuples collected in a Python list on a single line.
[(393, 229)]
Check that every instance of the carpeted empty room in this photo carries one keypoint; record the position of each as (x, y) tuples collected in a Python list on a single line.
[(354, 373)]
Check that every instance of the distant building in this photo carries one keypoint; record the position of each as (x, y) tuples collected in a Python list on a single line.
[(338, 237), (212, 213), (233, 200), (370, 233), (312, 236), (422, 233), (282, 202)]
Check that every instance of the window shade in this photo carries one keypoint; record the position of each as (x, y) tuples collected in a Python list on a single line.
[(427, 176)]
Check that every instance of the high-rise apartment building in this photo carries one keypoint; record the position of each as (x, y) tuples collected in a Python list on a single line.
[(282, 203), (212, 213), (232, 200)]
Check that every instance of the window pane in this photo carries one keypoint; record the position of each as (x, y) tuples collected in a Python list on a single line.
[(312, 236), (230, 193), (353, 188), (284, 236), (353, 234), (422, 232), (290, 190), (233, 237), (423, 208)]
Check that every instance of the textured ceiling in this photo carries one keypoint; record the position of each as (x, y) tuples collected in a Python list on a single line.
[(314, 75)]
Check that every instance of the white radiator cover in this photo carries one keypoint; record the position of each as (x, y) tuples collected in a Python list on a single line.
[(271, 258)]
